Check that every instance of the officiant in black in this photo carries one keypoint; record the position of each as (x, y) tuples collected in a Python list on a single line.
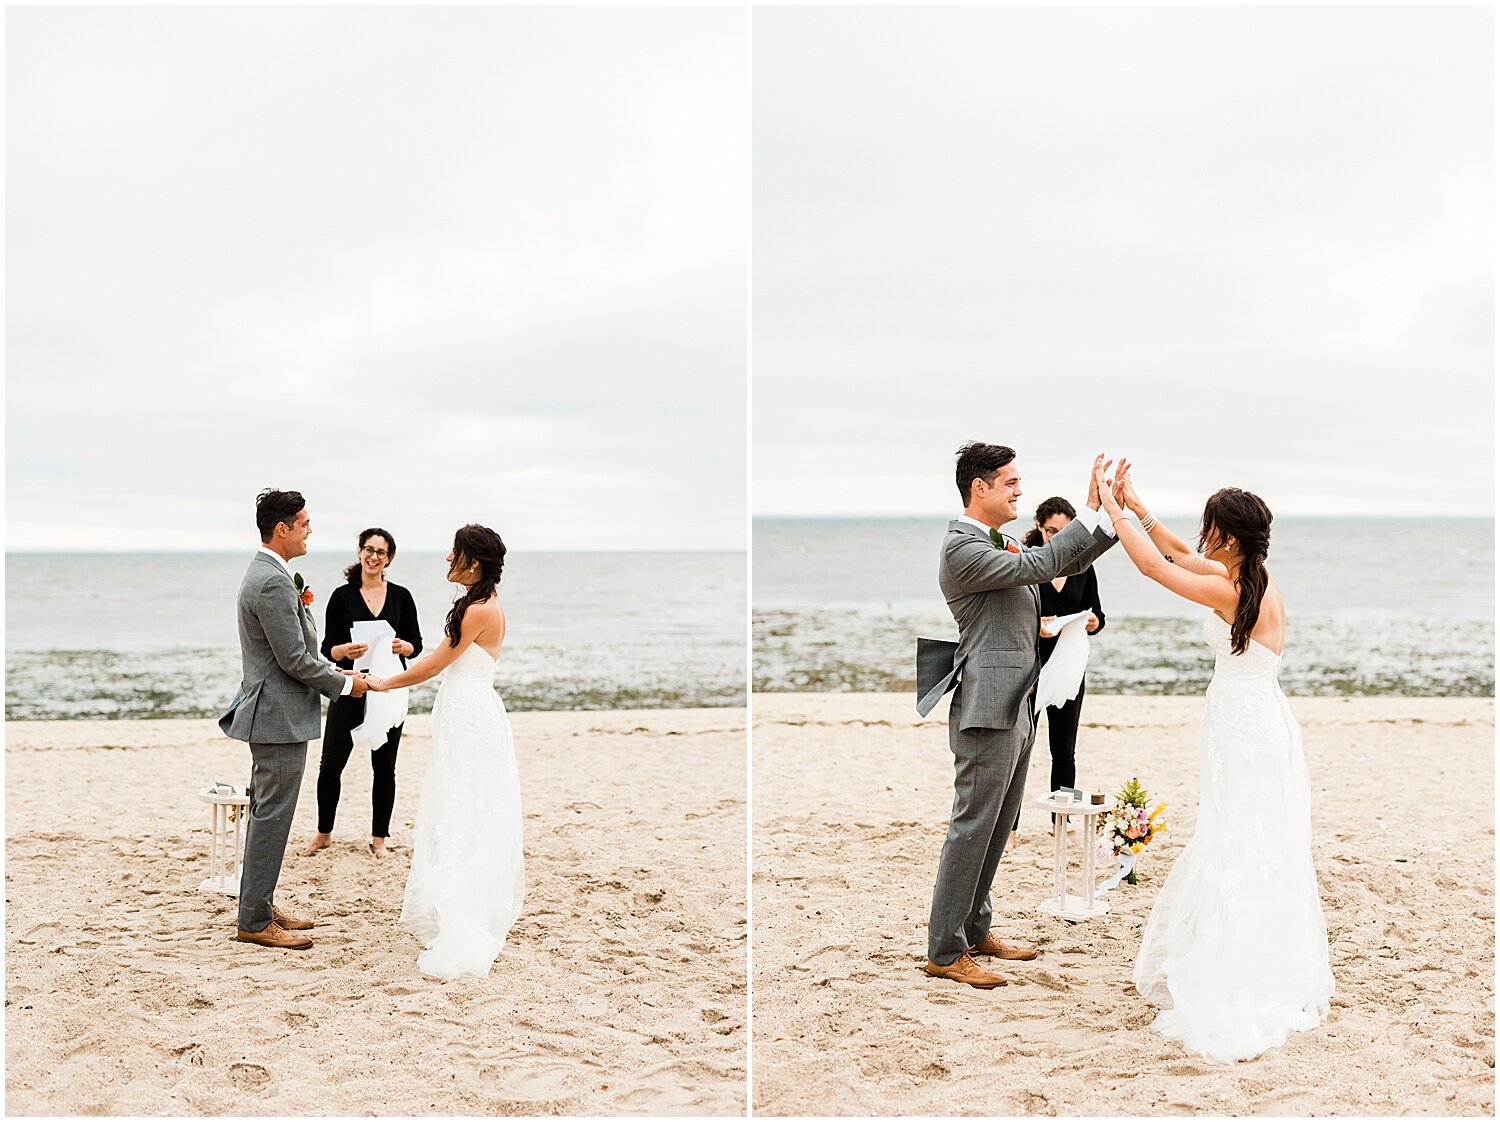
[(366, 595), (1064, 596)]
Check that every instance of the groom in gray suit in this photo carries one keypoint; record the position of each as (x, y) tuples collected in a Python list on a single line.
[(989, 581), (276, 709)]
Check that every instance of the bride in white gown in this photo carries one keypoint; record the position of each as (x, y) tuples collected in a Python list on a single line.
[(467, 877), (1235, 953)]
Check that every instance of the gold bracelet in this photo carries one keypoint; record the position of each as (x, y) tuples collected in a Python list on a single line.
[(1117, 521)]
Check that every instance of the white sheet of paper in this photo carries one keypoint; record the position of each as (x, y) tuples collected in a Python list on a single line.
[(1053, 626), (383, 711), (1062, 677), (376, 634)]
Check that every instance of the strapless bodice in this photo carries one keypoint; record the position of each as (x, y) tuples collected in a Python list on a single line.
[(473, 667), (1256, 662)]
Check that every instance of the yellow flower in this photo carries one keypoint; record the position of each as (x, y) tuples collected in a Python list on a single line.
[(1137, 847), (1159, 808)]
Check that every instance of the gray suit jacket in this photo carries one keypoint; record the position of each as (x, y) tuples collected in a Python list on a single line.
[(993, 596), (283, 671)]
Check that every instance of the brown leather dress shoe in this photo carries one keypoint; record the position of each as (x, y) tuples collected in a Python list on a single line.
[(1012, 952), (281, 919), (964, 969), (274, 935)]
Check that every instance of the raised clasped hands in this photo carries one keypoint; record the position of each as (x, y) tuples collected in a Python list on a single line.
[(1098, 473), (1124, 488), (1104, 487)]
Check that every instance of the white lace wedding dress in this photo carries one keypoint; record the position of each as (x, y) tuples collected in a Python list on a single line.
[(1236, 951), (467, 878)]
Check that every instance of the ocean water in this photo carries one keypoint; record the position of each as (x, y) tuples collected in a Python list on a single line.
[(1376, 606), (95, 636)]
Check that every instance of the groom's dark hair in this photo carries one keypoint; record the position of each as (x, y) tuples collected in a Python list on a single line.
[(980, 461), (273, 506)]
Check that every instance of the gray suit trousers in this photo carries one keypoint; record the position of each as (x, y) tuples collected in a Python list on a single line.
[(275, 780), (989, 783)]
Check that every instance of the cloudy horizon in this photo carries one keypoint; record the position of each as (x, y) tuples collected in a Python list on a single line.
[(1241, 246), (427, 266)]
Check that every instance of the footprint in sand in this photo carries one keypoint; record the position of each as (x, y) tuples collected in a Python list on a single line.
[(1185, 1067), (1048, 980), (41, 933), (249, 1077), (192, 1053)]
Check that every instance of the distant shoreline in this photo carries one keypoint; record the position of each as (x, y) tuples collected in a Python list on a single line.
[(406, 550), (1163, 514)]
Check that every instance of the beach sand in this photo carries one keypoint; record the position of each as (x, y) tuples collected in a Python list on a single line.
[(621, 990), (851, 796)]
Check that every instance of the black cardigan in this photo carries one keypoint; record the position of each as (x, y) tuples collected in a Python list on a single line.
[(1081, 591), (346, 605)]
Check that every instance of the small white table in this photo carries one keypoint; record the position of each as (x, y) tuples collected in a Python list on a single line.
[(1063, 905), (226, 850)]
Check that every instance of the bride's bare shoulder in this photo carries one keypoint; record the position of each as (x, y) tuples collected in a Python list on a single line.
[(1273, 596), (489, 609)]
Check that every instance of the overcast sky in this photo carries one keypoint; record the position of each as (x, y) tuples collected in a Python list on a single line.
[(428, 266), (1248, 246)]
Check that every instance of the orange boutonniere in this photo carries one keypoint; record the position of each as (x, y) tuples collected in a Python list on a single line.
[(304, 594), (1002, 541)]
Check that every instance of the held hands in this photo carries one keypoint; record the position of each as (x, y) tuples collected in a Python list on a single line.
[(364, 682)]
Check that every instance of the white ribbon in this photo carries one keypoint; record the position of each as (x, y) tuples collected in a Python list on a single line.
[(1127, 862)]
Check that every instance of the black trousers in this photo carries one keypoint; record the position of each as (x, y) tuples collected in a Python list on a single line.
[(337, 744), (1062, 739)]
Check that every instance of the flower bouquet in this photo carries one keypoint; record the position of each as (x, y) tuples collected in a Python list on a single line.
[(1126, 829)]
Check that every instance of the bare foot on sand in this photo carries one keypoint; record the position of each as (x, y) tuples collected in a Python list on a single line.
[(320, 841), (377, 847)]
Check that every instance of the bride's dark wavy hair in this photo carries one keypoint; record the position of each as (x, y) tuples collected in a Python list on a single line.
[(352, 573), (1232, 513), (477, 545)]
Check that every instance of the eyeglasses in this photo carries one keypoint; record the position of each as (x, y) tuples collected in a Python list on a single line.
[(369, 551)]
